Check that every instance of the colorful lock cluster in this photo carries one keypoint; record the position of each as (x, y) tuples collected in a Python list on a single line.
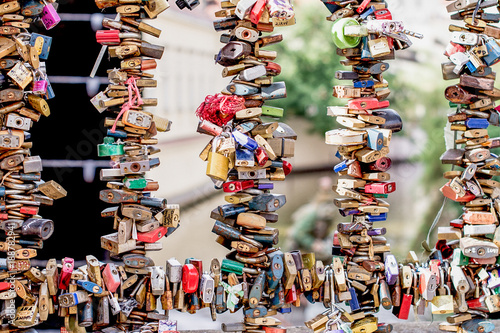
[(246, 155), (467, 249), (25, 89), (365, 273)]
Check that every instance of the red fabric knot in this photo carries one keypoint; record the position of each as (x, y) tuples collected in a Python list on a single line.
[(220, 109)]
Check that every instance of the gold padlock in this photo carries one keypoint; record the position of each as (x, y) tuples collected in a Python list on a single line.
[(379, 47), (218, 164), (39, 104)]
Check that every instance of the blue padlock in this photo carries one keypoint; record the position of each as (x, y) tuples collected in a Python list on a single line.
[(354, 303), (363, 84), (244, 157), (245, 140), (230, 209), (349, 211), (493, 55), (285, 309), (471, 66), (377, 218), (50, 91), (375, 139), (117, 134), (45, 41), (242, 89), (477, 123), (341, 166), (365, 50), (367, 12)]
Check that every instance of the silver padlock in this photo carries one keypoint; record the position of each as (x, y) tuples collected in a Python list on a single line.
[(32, 164), (134, 167), (157, 275), (16, 121), (138, 119), (464, 38), (254, 174), (207, 287), (252, 73), (71, 299)]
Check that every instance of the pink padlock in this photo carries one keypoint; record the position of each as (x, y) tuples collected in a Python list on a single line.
[(40, 86), (50, 18)]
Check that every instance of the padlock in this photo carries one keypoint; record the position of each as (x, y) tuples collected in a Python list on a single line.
[(49, 17), (218, 164), (190, 278)]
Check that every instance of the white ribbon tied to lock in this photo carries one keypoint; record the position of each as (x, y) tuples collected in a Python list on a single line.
[(233, 293)]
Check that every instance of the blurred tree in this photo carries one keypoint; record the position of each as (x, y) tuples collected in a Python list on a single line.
[(309, 61)]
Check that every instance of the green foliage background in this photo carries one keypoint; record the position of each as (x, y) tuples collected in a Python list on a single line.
[(309, 61)]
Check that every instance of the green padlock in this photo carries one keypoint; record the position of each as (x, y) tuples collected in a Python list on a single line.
[(135, 183), (110, 148), (339, 38), (231, 266), (459, 259), (236, 267), (218, 164), (272, 111)]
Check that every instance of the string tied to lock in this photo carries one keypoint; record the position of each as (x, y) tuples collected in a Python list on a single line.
[(134, 98)]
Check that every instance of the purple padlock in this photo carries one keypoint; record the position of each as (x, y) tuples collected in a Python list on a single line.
[(391, 269), (50, 18)]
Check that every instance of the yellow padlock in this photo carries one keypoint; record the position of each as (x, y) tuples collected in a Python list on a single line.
[(218, 164)]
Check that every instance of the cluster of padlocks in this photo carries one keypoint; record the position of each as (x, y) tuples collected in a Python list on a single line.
[(25, 89), (366, 274), (246, 155), (468, 248)]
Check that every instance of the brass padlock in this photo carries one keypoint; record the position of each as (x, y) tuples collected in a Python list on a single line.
[(218, 164), (39, 104), (379, 47)]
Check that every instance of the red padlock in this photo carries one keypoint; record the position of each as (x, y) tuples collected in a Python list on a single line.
[(446, 251), (453, 48), (5, 286), (257, 10), (152, 236), (362, 6), (190, 278), (366, 103), (404, 309), (383, 14), (111, 277), (261, 156), (29, 210), (237, 186), (287, 167), (273, 68), (382, 164), (380, 188), (108, 37), (66, 271), (450, 194), (291, 295)]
